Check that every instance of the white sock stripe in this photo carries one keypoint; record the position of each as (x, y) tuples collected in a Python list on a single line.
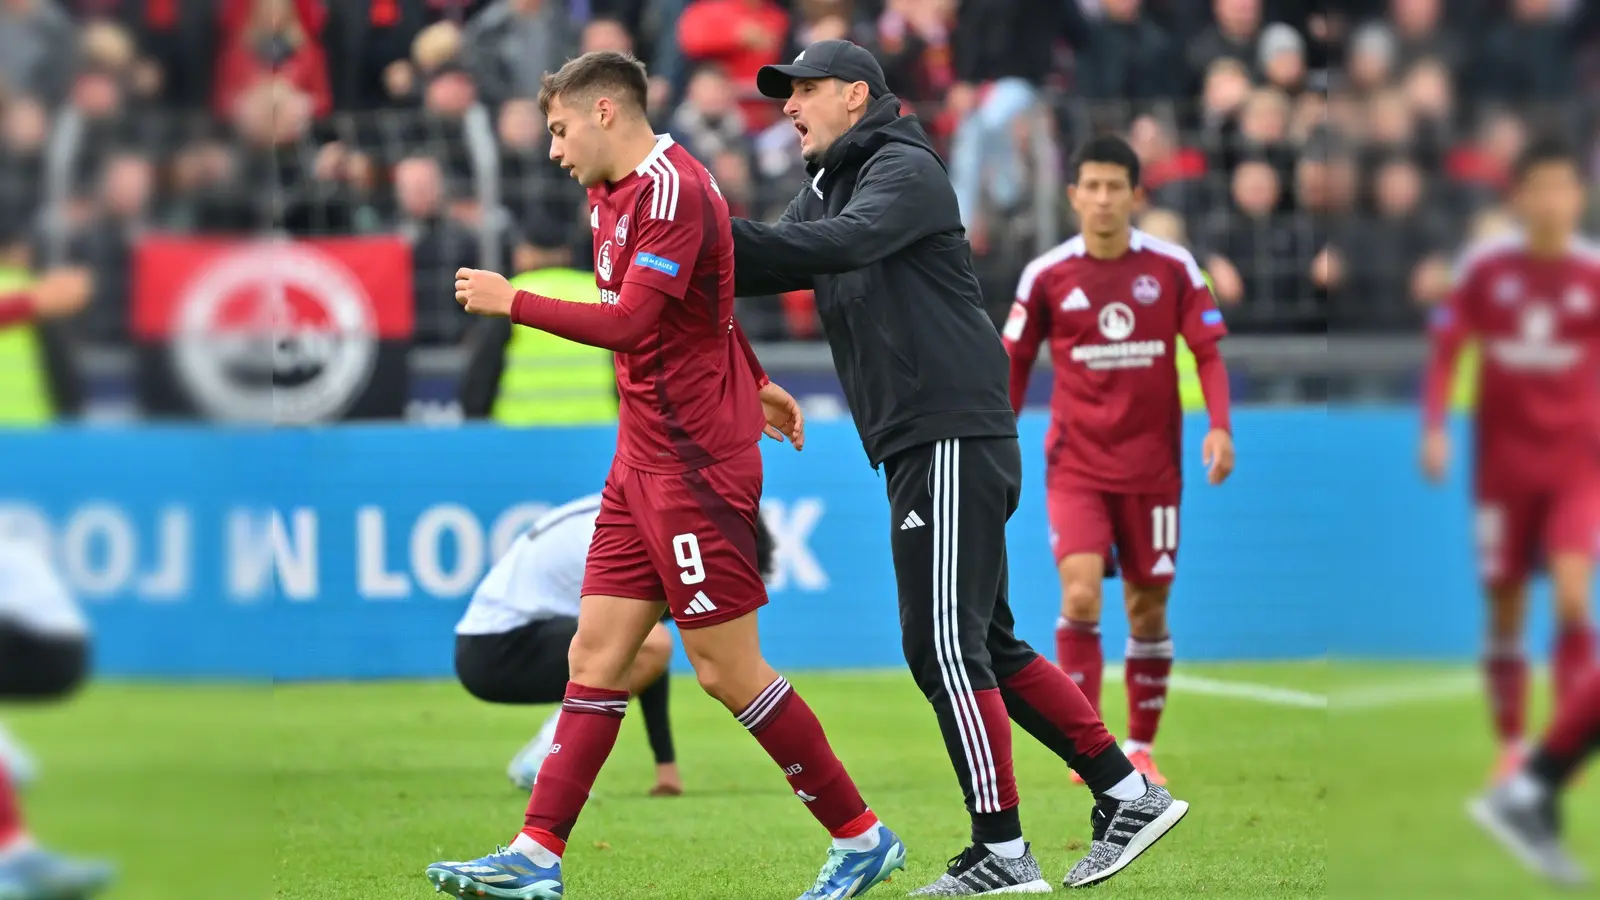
[(761, 707), (607, 706), (985, 750), (1138, 649), (947, 643)]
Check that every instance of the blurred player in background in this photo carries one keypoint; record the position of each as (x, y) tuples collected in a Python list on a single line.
[(1112, 302), (1523, 811), (512, 643), (44, 650), (676, 529), (44, 656), (1532, 300)]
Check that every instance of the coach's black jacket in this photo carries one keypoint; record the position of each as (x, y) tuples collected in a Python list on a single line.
[(877, 235)]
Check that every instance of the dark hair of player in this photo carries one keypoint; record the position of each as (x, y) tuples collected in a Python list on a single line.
[(1110, 150), (766, 547), (596, 74), (1544, 151)]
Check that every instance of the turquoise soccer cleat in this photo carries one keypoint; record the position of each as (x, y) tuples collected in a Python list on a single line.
[(42, 875), (851, 873), (505, 873)]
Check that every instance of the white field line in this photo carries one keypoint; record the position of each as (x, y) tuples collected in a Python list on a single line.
[(1375, 696)]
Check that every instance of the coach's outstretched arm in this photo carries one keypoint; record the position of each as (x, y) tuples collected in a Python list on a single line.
[(752, 278), (886, 214)]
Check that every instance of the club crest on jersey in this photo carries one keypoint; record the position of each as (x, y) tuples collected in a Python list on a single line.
[(1146, 289), (1578, 301), (602, 262), (1507, 289), (1116, 322), (622, 231)]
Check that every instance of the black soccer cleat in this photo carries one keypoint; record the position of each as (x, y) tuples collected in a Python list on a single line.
[(1529, 827), (1122, 831)]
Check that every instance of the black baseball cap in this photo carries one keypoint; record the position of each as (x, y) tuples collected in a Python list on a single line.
[(824, 59)]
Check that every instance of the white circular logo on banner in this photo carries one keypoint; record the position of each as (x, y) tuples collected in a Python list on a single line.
[(1146, 289), (274, 333), (1116, 321), (602, 262)]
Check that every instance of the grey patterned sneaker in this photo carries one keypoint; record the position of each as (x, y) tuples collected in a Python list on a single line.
[(1531, 829), (1122, 831), (979, 873)]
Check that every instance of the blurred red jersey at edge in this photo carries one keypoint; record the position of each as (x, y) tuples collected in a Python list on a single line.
[(1538, 415), (1116, 419)]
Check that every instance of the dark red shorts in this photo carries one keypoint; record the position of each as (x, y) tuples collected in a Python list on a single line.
[(686, 538), (1136, 533), (1518, 530)]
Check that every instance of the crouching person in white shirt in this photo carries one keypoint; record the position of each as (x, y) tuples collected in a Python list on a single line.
[(511, 646)]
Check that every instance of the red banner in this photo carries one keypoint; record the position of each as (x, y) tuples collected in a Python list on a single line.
[(274, 331)]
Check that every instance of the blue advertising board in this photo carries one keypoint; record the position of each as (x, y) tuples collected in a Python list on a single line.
[(350, 552)]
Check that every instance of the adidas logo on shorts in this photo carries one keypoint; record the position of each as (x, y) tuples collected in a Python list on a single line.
[(700, 605), (912, 521)]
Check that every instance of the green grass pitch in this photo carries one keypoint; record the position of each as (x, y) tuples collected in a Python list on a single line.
[(346, 792)]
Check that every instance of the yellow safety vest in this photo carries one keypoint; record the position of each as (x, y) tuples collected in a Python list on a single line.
[(24, 396), (1190, 394), (550, 380), (1464, 391)]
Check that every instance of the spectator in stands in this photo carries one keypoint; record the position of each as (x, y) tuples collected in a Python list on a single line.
[(605, 34), (512, 43), (106, 47), (1479, 172), (911, 40), (206, 196), (1430, 96), (277, 157), (546, 206), (177, 42), (370, 42), (436, 48), (1232, 36), (1164, 224), (274, 44), (1173, 176), (104, 244), (741, 36), (1529, 59), (1421, 33), (1282, 58), (1392, 255), (1390, 126), (1129, 59), (24, 128), (1254, 253), (1264, 131), (821, 20), (37, 49), (1227, 86), (439, 246), (1371, 61), (709, 122)]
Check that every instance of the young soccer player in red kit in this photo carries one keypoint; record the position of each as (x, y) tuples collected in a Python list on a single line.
[(1112, 302), (1532, 301), (676, 527)]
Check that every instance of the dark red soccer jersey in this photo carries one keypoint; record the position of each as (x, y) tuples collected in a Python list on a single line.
[(1116, 421), (1538, 326), (688, 394)]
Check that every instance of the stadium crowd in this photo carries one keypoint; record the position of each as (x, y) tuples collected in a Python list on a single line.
[(1324, 164)]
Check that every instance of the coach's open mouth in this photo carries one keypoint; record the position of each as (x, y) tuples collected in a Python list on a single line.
[(800, 127)]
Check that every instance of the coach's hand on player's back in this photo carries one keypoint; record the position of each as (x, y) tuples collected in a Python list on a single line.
[(484, 293), (1217, 454), (784, 418), (1435, 454)]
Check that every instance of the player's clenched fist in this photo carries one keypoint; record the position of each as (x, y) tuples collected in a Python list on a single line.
[(484, 293), (1217, 454)]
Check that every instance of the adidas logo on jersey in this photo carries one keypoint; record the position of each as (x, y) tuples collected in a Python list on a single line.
[(912, 521), (1163, 565), (1075, 300), (700, 605)]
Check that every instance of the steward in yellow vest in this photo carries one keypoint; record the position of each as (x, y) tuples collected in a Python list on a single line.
[(549, 380)]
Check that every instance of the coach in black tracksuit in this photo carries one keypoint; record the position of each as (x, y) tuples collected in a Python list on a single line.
[(876, 234)]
